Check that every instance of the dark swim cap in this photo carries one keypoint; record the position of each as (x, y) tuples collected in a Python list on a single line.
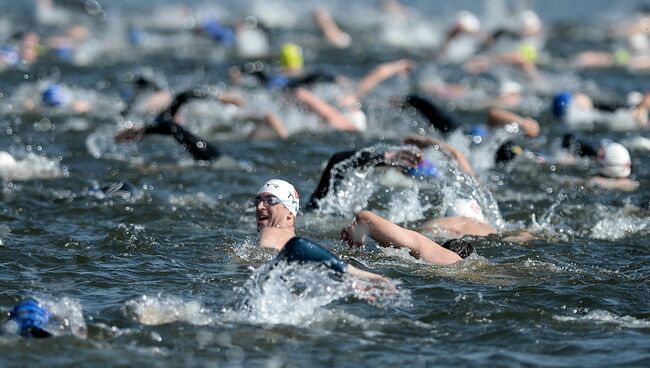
[(561, 103), (507, 152), (31, 317), (460, 247), (55, 96)]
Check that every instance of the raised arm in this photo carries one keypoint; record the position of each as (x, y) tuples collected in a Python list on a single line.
[(362, 159), (377, 76), (498, 118)]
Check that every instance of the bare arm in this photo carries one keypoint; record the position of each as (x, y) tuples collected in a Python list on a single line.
[(330, 29), (424, 142), (378, 75), (331, 115), (498, 118), (388, 234)]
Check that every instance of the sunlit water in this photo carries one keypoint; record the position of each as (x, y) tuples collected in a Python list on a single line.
[(173, 277)]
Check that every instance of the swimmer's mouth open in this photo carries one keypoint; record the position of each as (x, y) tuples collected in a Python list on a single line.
[(262, 217)]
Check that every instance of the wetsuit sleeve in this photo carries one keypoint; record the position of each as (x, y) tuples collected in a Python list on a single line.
[(365, 159), (180, 100), (200, 149), (301, 250), (311, 78), (438, 117)]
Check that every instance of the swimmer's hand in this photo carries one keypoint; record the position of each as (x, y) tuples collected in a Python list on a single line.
[(529, 126), (354, 235), (129, 135), (406, 158)]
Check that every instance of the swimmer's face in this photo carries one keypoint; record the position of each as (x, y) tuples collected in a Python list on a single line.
[(269, 211)]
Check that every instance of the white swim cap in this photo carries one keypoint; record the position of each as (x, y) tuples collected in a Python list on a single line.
[(466, 208), (7, 161), (529, 22), (509, 87), (285, 192), (468, 21), (358, 118), (615, 161)]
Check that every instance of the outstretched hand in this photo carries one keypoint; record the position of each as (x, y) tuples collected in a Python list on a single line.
[(354, 235), (405, 157)]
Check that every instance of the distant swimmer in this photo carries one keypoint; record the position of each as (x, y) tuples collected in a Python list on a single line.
[(167, 123), (388, 234), (276, 206), (29, 318), (614, 168), (578, 110)]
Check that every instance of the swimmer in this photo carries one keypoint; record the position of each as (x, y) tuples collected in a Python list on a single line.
[(29, 318), (276, 206), (388, 234), (168, 123), (404, 159), (578, 109), (446, 123), (60, 98)]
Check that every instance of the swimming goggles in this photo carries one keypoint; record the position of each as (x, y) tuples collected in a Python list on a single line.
[(269, 200)]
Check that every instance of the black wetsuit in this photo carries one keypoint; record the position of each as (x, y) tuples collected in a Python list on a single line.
[(437, 117), (364, 159), (140, 85), (273, 81), (164, 124), (302, 250)]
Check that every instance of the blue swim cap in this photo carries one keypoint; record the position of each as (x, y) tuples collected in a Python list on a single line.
[(561, 103), (31, 317), (218, 32), (136, 36), (63, 53), (425, 169), (477, 132), (277, 81), (55, 96)]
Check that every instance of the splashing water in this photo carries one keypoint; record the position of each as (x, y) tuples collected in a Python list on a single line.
[(158, 310)]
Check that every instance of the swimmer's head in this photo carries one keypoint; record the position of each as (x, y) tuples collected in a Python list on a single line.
[(467, 208), (561, 102), (424, 169), (476, 133), (7, 161), (529, 22), (285, 192), (357, 117), (508, 151), (509, 87), (291, 56), (29, 318), (529, 52), (467, 22), (462, 248), (55, 96), (614, 160)]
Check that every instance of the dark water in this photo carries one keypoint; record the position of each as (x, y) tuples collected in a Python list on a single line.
[(161, 280)]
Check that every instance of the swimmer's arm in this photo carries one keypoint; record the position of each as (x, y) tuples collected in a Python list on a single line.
[(388, 234), (272, 121), (498, 118), (624, 185), (330, 29), (364, 159), (377, 76), (436, 115), (331, 115), (424, 142)]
